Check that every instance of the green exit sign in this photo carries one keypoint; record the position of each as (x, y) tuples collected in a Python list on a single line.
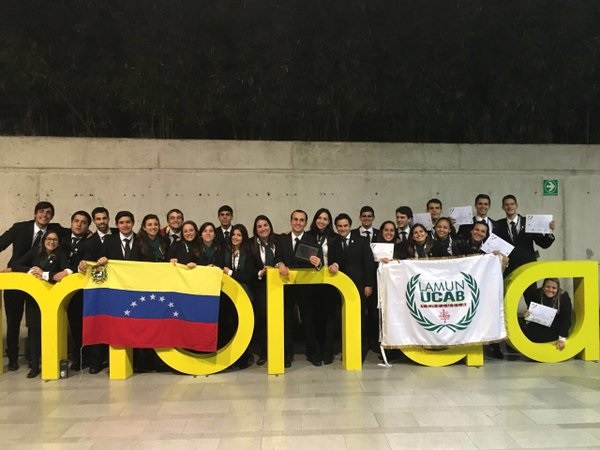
[(550, 188)]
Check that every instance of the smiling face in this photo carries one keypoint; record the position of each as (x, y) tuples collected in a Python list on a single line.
[(175, 219), (101, 222), (322, 221), (510, 207), (298, 222), (419, 234), (125, 225), (43, 217), (263, 229), (435, 210), (402, 220), (442, 229), (366, 219), (208, 235), (388, 232), (478, 232), (236, 238), (343, 227), (151, 227), (482, 207), (50, 242), (189, 232), (550, 288)]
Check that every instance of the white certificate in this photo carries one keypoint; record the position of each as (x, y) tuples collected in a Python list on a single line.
[(424, 219), (382, 250), (494, 243), (462, 215), (544, 315), (538, 223)]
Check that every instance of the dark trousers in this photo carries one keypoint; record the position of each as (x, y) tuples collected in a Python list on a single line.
[(318, 313), (33, 318), (14, 305), (259, 303)]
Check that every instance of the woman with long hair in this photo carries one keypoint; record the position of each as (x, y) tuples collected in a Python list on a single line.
[(319, 310), (49, 263), (262, 247), (188, 249), (442, 238), (211, 252), (420, 244), (153, 246), (238, 263), (552, 296)]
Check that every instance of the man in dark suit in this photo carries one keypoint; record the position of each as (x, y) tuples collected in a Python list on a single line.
[(367, 216), (512, 229), (121, 245), (482, 206), (222, 233), (404, 215), (173, 230), (74, 248), (23, 236), (285, 259), (354, 257)]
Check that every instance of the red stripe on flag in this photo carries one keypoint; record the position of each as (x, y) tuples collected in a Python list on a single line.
[(149, 333)]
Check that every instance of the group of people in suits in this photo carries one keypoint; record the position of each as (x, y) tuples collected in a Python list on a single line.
[(51, 252)]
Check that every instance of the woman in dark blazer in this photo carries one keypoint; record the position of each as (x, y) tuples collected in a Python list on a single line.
[(153, 246), (49, 263), (237, 262), (262, 247), (188, 249)]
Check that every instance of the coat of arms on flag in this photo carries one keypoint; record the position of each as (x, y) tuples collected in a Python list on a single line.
[(441, 302), (153, 305)]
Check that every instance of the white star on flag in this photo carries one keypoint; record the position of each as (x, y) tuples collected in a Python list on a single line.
[(175, 314), (126, 312), (152, 297), (142, 298), (134, 304), (162, 299), (171, 305)]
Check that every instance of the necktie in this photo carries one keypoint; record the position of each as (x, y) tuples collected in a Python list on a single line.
[(103, 237), (37, 239), (344, 244), (226, 235), (296, 242), (126, 248), (513, 231), (74, 242), (269, 256), (404, 236), (368, 234), (174, 237)]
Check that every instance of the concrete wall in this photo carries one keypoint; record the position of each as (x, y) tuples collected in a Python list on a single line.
[(275, 177)]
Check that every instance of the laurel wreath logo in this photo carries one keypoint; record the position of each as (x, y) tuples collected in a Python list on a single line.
[(462, 324)]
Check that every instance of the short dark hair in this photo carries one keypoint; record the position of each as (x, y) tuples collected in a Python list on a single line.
[(225, 208), (99, 210), (174, 210), (43, 205), (121, 214), (483, 197), (343, 216), (82, 213), (434, 200), (509, 197), (299, 211), (365, 209), (406, 210)]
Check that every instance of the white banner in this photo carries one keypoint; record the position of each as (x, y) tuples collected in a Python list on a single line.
[(441, 302)]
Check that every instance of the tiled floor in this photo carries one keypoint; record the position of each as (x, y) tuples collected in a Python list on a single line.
[(504, 404)]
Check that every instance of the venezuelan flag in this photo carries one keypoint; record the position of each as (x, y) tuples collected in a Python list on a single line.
[(152, 305)]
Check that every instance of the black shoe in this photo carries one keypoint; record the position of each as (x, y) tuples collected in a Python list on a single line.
[(33, 373), (327, 360), (261, 361), (13, 365), (75, 367), (97, 369), (316, 362), (287, 363), (497, 353)]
